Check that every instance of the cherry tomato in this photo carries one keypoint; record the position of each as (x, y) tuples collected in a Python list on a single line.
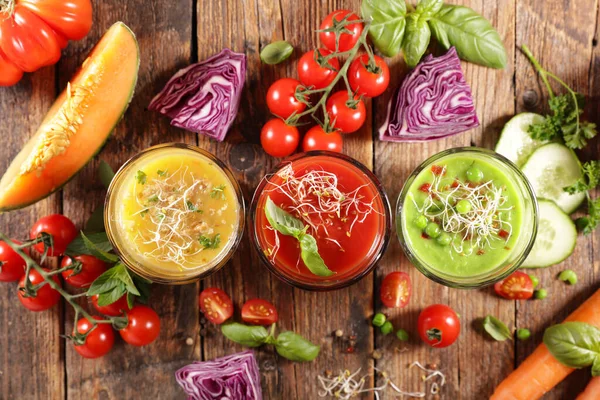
[(12, 266), (317, 139), (281, 98), (279, 139), (115, 309), (395, 290), (61, 228), (346, 40), (346, 118), (91, 268), (438, 325), (143, 327), (517, 286), (259, 312), (366, 79), (312, 74), (98, 342), (45, 298), (216, 305)]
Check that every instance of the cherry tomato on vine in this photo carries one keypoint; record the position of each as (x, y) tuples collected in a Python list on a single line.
[(438, 325), (279, 139), (61, 228), (346, 40), (312, 74), (216, 305), (98, 342), (143, 327), (259, 312), (115, 309), (45, 298), (517, 286), (317, 139), (281, 98), (347, 118), (91, 268), (395, 290), (366, 79), (12, 266)]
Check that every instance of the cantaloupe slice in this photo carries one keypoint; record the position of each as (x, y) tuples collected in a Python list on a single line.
[(78, 123)]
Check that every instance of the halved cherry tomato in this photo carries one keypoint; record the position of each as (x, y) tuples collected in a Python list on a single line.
[(317, 139), (346, 40), (216, 305), (91, 268), (259, 312), (281, 98), (366, 79), (45, 298), (312, 74), (346, 116), (12, 266), (115, 309), (143, 326), (61, 228), (395, 289), (98, 342), (279, 139), (438, 325), (517, 286)]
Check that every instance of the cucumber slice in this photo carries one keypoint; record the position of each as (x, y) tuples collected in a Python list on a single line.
[(515, 142), (556, 237), (549, 169)]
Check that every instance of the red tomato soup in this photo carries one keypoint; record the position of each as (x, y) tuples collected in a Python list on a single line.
[(340, 204)]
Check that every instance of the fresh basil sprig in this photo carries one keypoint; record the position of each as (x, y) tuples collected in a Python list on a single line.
[(294, 347), (388, 24), (117, 282), (93, 244), (496, 328), (575, 344), (288, 225), (416, 39)]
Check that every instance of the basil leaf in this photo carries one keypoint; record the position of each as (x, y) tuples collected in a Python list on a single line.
[(416, 39), (96, 221), (428, 8), (596, 367), (283, 221), (107, 298), (276, 52), (250, 336), (104, 283), (98, 252), (106, 173), (295, 348), (122, 275), (388, 21), (574, 344), (311, 257), (78, 247), (474, 37), (496, 328)]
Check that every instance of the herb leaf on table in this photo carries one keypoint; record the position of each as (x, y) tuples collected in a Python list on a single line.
[(388, 22), (574, 344), (294, 347), (496, 329)]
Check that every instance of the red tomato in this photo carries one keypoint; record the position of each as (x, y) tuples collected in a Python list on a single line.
[(366, 79), (9, 72), (32, 35), (61, 228), (317, 139), (438, 325), (143, 327), (346, 40), (259, 312), (395, 290), (517, 286), (12, 266), (312, 74), (98, 342), (115, 309), (281, 98), (346, 118), (91, 269), (279, 139), (45, 298), (216, 305)]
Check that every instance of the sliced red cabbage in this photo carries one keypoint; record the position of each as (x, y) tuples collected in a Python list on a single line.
[(234, 377), (204, 97), (433, 102)]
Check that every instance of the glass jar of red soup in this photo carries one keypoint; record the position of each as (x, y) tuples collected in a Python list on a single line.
[(321, 221)]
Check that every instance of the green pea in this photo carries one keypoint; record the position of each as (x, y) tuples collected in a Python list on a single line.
[(474, 174), (402, 335), (523, 334), (540, 294), (433, 230), (379, 319), (421, 221), (387, 328), (444, 239), (534, 280), (463, 206), (568, 275)]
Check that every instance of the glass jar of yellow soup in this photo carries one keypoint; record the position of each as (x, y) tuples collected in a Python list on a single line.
[(174, 213)]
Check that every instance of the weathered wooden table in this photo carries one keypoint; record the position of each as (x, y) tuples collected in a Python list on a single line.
[(35, 363)]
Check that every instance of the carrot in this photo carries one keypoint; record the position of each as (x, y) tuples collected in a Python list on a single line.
[(592, 390), (540, 372)]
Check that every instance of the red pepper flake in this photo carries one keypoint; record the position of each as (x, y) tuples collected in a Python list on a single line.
[(455, 184), (437, 170), (425, 188), (424, 235), (503, 234), (480, 252), (350, 350)]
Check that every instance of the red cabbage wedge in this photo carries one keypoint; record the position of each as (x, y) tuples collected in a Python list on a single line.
[(433, 102), (204, 97), (231, 377)]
